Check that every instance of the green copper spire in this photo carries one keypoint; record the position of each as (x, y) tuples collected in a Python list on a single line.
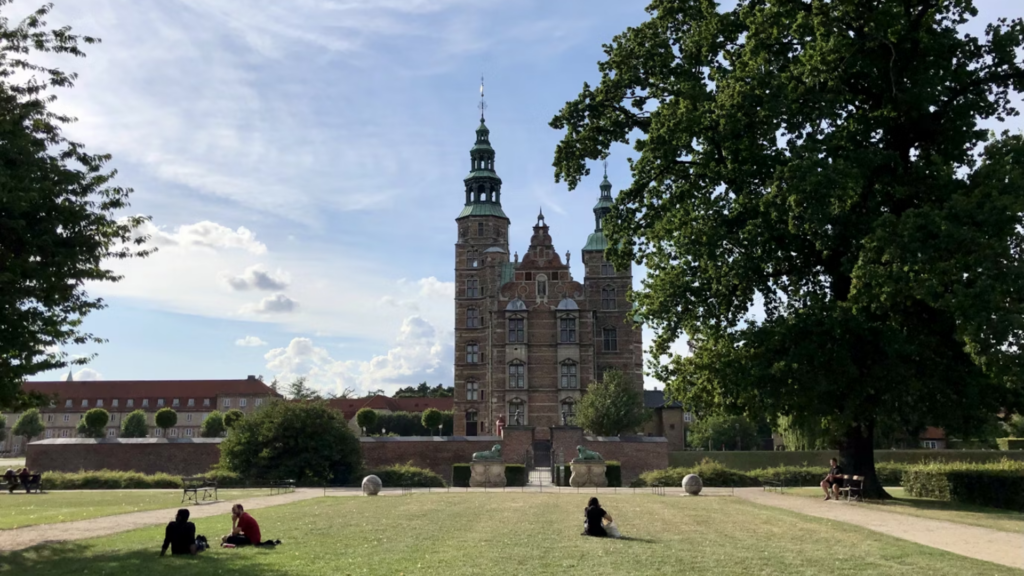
[(597, 240), (483, 187)]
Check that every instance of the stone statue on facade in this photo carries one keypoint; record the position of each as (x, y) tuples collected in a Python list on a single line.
[(519, 417), (488, 455)]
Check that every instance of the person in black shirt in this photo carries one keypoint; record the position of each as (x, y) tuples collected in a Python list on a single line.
[(595, 517), (180, 535), (833, 481)]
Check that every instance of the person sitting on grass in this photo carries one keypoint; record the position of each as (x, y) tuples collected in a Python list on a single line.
[(244, 530), (594, 519), (180, 535), (833, 481)]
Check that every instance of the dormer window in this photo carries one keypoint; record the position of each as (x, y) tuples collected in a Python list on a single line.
[(206, 402), (145, 402), (191, 402), (159, 402), (85, 403), (113, 403), (131, 403), (67, 404), (175, 403), (99, 403)]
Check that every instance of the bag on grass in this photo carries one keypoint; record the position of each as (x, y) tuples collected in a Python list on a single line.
[(613, 530), (201, 543)]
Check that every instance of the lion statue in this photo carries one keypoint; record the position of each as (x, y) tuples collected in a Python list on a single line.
[(585, 454), (492, 454)]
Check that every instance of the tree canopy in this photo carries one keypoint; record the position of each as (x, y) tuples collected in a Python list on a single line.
[(366, 418), (29, 425), (612, 406), (57, 208), (232, 417), (165, 418), (213, 426), (819, 209), (724, 432), (424, 390), (432, 419), (302, 441), (94, 423), (134, 425)]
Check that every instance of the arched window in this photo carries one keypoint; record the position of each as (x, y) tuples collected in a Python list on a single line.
[(517, 375), (567, 330), (516, 330), (472, 288), (480, 196), (609, 338), (542, 285), (568, 412), (473, 353), (472, 390), (569, 380), (608, 298), (516, 412), (472, 318)]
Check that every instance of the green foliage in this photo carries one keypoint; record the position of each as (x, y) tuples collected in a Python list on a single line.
[(303, 441), (613, 473), (1015, 426), (997, 485), (432, 419), (213, 426), (134, 425), (612, 406), (516, 475), (807, 437), (23, 400), (366, 418), (1011, 443), (889, 474), (29, 425), (225, 478), (61, 219), (407, 476), (744, 461), (108, 480), (94, 424), (232, 417), (298, 390), (830, 165), (165, 418), (3, 428), (461, 473), (408, 424), (425, 391), (711, 473), (724, 432)]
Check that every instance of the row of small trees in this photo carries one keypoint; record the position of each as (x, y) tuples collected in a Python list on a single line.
[(94, 423)]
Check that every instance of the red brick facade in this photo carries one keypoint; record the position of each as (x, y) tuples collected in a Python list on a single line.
[(146, 455), (437, 453)]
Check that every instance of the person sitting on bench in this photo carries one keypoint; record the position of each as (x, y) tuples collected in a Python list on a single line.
[(834, 480), (11, 478), (180, 535)]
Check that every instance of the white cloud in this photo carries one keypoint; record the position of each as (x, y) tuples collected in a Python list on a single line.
[(420, 353), (257, 278), (250, 341), (203, 235), (87, 375), (276, 304)]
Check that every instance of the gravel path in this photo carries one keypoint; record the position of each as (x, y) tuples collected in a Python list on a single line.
[(995, 546), (20, 538)]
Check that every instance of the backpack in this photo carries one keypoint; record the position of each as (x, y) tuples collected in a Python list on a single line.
[(201, 543)]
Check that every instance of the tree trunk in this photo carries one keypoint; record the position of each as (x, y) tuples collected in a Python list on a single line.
[(857, 456)]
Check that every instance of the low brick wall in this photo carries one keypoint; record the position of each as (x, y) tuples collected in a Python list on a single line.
[(177, 456), (432, 452), (637, 454)]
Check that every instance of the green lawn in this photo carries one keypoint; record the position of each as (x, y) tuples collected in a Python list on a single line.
[(20, 509), (529, 534), (994, 518)]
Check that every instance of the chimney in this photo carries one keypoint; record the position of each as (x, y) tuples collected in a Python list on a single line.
[(251, 377)]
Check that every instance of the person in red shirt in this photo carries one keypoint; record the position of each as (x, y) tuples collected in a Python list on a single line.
[(244, 528)]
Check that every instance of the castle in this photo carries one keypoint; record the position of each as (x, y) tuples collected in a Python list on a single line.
[(528, 337)]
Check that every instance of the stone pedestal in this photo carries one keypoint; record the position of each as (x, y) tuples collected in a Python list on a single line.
[(588, 474), (484, 474)]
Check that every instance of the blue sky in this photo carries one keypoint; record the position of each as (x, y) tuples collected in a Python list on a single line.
[(302, 162)]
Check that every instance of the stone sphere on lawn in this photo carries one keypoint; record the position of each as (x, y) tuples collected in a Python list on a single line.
[(372, 485), (692, 484)]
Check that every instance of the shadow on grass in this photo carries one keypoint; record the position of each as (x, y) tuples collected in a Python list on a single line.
[(632, 539), (75, 558), (926, 504)]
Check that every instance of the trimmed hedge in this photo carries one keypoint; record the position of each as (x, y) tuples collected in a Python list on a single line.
[(996, 485), (407, 476), (461, 474), (515, 475), (712, 474), (889, 474), (757, 459), (108, 480), (1010, 443), (613, 472)]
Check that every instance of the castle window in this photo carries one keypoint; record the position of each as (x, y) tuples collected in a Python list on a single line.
[(609, 337), (607, 270), (479, 228), (542, 285), (567, 333), (608, 298), (472, 318), (516, 331), (472, 288), (131, 403), (516, 412), (472, 353), (472, 390), (569, 375), (517, 375)]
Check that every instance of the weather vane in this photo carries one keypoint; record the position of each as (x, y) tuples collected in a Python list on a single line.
[(483, 103), (605, 168)]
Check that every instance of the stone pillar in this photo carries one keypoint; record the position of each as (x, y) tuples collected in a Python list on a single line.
[(487, 474), (588, 474)]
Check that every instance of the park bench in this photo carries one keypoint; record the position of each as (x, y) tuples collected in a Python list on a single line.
[(852, 485), (193, 485), (35, 482), (281, 486), (772, 485)]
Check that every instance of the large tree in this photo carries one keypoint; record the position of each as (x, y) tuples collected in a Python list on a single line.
[(94, 424), (823, 159), (611, 407), (29, 425), (134, 425), (57, 208)]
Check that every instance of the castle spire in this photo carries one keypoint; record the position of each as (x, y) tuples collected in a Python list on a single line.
[(482, 186), (597, 240)]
